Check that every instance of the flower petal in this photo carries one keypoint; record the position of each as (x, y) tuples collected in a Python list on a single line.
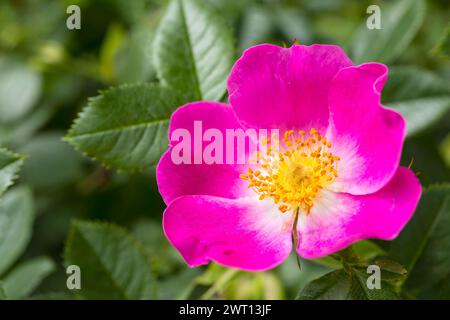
[(340, 219), (223, 180), (366, 136), (285, 88), (246, 233)]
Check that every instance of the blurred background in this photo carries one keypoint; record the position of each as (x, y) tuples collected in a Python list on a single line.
[(47, 74)]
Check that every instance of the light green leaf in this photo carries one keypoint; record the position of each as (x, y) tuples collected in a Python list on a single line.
[(424, 246), (113, 264), (254, 286), (343, 285), (400, 22), (10, 164), (19, 89), (367, 250), (419, 95), (133, 59), (193, 50), (16, 221), (125, 127), (26, 277)]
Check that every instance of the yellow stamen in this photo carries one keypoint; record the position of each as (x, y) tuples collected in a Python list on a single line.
[(294, 177)]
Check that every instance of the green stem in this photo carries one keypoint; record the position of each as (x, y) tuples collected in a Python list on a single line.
[(295, 237)]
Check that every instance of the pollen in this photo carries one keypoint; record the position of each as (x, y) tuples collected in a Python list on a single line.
[(292, 170)]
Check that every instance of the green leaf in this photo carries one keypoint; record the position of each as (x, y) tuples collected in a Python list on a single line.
[(400, 22), (2, 292), (341, 285), (10, 164), (294, 279), (442, 49), (367, 250), (424, 245), (257, 27), (113, 264), (51, 162), (19, 89), (419, 95), (193, 50), (125, 127), (16, 221), (133, 62), (26, 277)]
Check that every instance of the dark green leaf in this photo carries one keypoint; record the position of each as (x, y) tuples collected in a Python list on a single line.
[(193, 50), (113, 264), (342, 285), (16, 221), (400, 22), (10, 164), (26, 277), (424, 245), (125, 127)]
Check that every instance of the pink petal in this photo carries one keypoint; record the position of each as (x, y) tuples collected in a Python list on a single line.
[(340, 219), (285, 88), (245, 233), (366, 136), (223, 180)]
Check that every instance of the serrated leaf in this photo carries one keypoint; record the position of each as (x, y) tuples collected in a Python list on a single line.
[(26, 277), (421, 97), (400, 22), (125, 127), (113, 264), (19, 89), (193, 50), (10, 164), (342, 285), (16, 221), (423, 247)]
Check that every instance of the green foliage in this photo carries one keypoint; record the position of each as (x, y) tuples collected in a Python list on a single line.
[(424, 245), (2, 292), (10, 164), (16, 220), (19, 89), (125, 127), (149, 57), (345, 285), (400, 22), (112, 262), (193, 50), (420, 96), (26, 277), (51, 162)]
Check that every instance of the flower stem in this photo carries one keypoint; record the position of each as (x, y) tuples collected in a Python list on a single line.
[(295, 237)]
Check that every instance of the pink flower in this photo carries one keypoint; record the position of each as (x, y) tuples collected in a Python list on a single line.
[(336, 181)]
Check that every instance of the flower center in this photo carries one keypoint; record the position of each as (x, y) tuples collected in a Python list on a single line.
[(292, 171)]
